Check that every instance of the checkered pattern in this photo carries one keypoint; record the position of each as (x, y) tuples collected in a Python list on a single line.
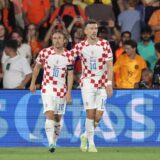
[(55, 69), (100, 54)]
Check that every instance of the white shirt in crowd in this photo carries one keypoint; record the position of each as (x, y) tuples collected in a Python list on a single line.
[(15, 69), (24, 51)]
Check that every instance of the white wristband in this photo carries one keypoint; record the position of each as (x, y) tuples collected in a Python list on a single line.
[(109, 83)]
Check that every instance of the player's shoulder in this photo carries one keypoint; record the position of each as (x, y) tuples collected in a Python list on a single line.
[(47, 49), (103, 42), (82, 43), (65, 53)]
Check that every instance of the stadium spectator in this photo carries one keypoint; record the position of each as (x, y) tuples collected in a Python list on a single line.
[(23, 48), (146, 47), (32, 39), (18, 11), (96, 79), (53, 5), (80, 3), (16, 70), (125, 36), (37, 13), (156, 74), (154, 23), (67, 12), (56, 62), (105, 12), (150, 7), (146, 80), (76, 30), (3, 37), (130, 20), (128, 66), (8, 17), (58, 24)]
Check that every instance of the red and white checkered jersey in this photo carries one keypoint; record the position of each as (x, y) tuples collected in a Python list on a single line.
[(55, 69), (93, 59)]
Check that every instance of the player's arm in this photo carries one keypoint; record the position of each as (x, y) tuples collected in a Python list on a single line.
[(109, 88), (34, 77), (69, 83)]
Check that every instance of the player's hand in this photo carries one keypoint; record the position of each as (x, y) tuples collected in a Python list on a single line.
[(109, 90), (69, 98), (32, 88)]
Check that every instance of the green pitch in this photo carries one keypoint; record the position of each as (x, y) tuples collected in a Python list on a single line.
[(108, 153)]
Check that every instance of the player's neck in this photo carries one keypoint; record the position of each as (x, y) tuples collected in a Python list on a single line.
[(92, 41), (59, 50)]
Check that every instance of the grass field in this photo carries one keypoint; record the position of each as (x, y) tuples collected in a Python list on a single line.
[(108, 153)]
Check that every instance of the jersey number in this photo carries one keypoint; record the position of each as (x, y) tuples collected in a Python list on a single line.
[(93, 65), (61, 107), (55, 72)]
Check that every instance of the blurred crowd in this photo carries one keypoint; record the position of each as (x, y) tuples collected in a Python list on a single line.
[(132, 28)]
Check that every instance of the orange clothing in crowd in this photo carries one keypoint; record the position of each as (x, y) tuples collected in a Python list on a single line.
[(35, 47), (68, 10), (5, 19), (154, 21), (119, 51), (129, 70), (36, 9)]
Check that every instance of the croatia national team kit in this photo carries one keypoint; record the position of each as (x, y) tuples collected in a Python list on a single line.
[(94, 71), (53, 85)]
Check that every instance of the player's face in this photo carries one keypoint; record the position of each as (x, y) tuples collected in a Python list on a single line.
[(91, 31), (58, 40)]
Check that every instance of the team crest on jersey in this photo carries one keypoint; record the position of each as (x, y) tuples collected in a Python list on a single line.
[(57, 62), (92, 53), (136, 66)]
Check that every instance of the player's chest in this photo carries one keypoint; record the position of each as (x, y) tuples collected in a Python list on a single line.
[(93, 51), (57, 60)]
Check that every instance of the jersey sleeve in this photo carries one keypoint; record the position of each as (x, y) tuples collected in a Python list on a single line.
[(108, 51), (41, 57), (70, 59), (76, 50)]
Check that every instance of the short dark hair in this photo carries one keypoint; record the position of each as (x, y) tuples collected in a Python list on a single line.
[(10, 43), (146, 29), (90, 21), (126, 32), (157, 47), (19, 31), (131, 43)]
